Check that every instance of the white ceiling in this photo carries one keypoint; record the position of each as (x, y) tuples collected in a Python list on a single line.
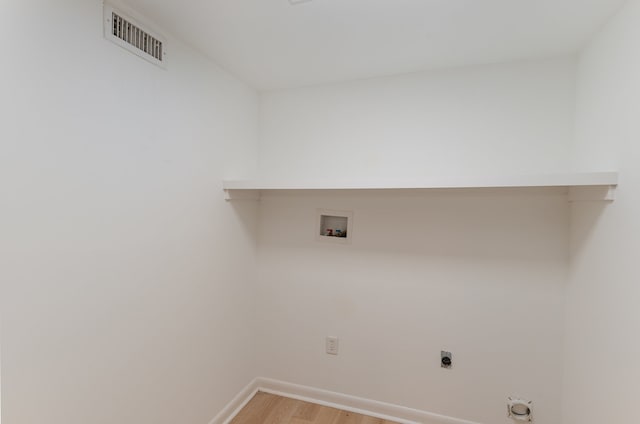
[(271, 44)]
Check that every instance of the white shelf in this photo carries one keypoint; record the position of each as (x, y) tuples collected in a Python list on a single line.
[(583, 186)]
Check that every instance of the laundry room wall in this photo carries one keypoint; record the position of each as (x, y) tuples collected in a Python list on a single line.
[(125, 277)]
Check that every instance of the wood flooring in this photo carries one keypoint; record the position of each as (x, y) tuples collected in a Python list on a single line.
[(265, 408)]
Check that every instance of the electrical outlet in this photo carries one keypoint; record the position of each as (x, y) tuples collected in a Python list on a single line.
[(446, 359), (332, 345)]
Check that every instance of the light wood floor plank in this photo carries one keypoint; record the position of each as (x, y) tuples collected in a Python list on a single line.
[(348, 418), (371, 420), (282, 412), (307, 412), (266, 408)]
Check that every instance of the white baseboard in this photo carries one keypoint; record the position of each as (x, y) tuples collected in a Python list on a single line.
[(386, 411), (236, 404)]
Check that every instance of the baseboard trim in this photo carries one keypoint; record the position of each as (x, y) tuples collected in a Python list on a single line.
[(383, 410), (237, 403)]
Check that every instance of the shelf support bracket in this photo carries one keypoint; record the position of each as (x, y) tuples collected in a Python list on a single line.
[(592, 193), (241, 195)]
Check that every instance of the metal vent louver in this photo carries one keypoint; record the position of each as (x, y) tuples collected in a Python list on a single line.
[(127, 33)]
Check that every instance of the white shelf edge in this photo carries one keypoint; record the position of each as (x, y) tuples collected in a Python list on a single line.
[(581, 179)]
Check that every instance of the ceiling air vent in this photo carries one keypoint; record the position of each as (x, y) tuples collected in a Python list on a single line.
[(130, 35)]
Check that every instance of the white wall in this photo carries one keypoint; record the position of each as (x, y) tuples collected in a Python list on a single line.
[(602, 369), (427, 271), (479, 273), (507, 118), (126, 281), (126, 294)]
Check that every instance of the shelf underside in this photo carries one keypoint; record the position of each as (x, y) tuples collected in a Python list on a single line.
[(582, 186)]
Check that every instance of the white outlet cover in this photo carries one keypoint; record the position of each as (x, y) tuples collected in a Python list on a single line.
[(332, 345)]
